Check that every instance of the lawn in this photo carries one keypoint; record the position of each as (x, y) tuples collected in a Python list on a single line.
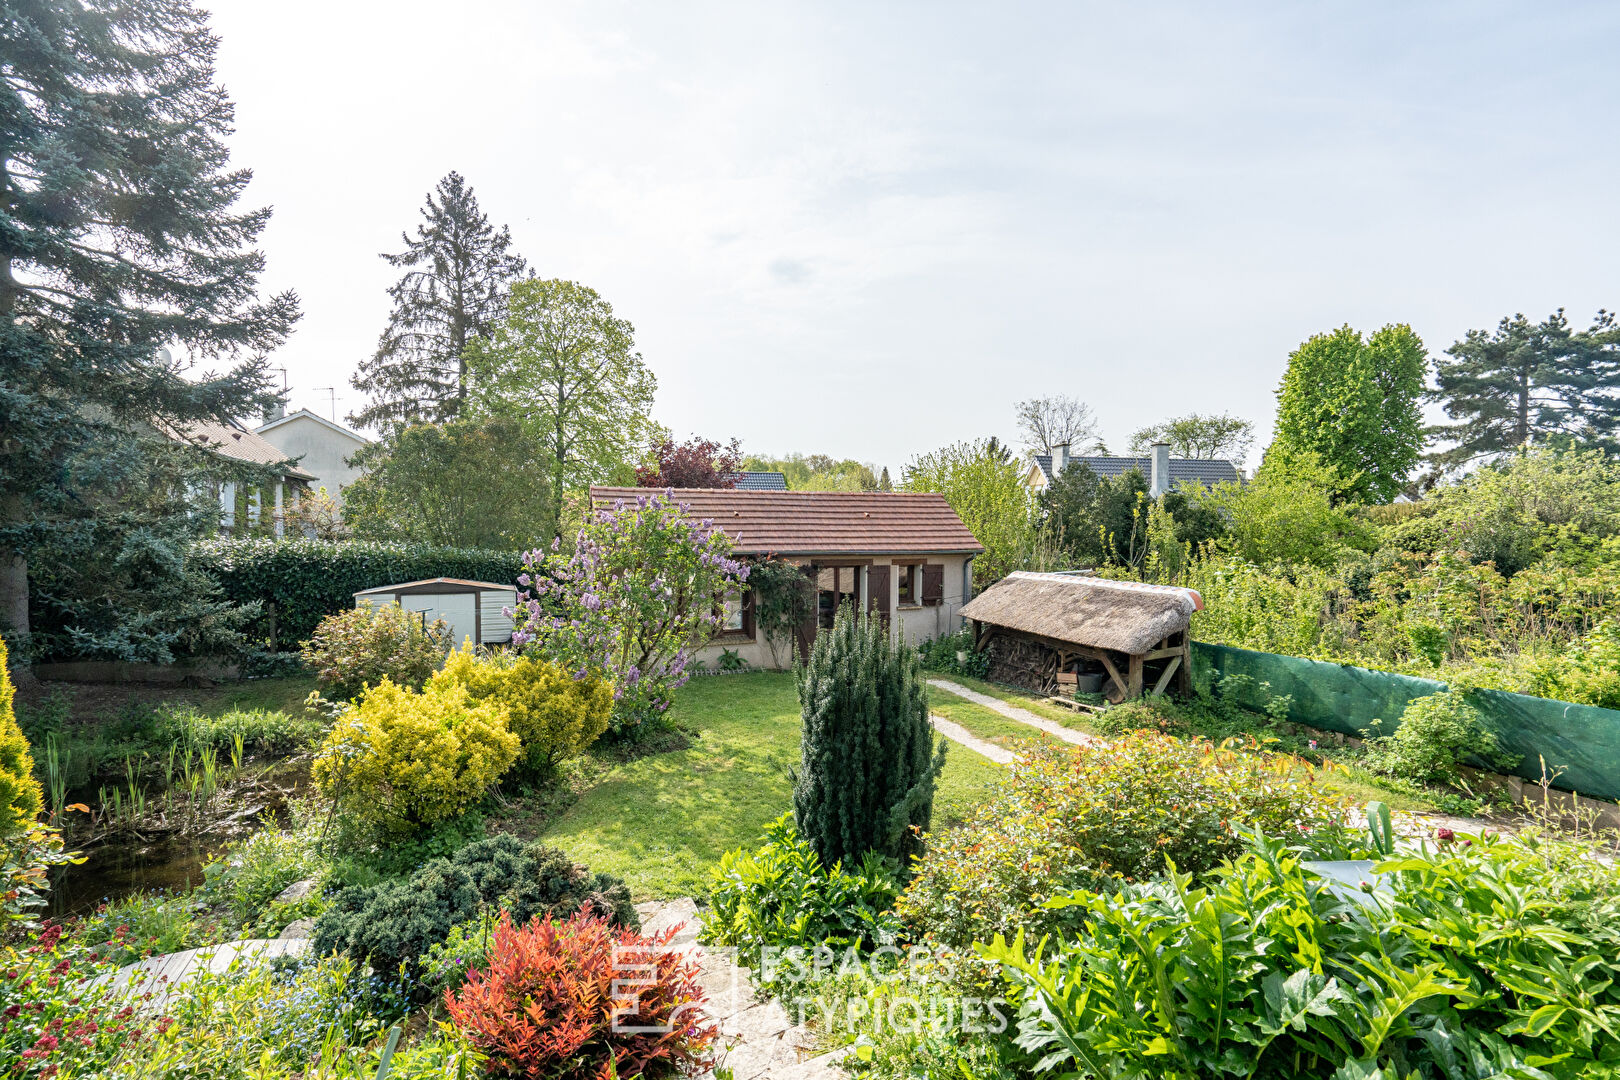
[(660, 822)]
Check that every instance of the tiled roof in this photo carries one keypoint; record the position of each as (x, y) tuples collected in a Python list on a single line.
[(1182, 470), (821, 522), (231, 441), (760, 481)]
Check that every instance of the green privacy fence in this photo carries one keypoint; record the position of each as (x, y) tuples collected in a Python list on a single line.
[(1582, 740)]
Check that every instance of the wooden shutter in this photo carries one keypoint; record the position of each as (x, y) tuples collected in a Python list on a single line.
[(933, 584), (877, 588), (748, 613)]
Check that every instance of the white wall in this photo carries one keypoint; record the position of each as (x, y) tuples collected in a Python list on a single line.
[(323, 452)]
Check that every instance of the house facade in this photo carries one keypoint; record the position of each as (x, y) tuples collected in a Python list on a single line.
[(906, 557), (1163, 471), (244, 507), (321, 447)]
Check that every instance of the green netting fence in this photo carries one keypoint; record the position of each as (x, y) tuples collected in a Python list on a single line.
[(1581, 740)]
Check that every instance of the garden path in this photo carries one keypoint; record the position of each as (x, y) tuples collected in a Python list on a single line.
[(156, 978), (759, 1040), (959, 734), (1013, 712)]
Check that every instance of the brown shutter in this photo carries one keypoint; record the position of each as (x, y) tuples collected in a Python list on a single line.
[(877, 588), (933, 584), (748, 612)]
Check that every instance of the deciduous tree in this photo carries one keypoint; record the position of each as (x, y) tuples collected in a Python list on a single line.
[(696, 463), (985, 486), (1048, 422), (457, 270), (1353, 403), (1208, 437)]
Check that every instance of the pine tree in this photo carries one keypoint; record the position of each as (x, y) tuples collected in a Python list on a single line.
[(1528, 383), (459, 270), (868, 764), (885, 484), (118, 236)]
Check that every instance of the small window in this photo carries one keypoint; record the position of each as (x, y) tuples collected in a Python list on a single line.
[(908, 584), (733, 623)]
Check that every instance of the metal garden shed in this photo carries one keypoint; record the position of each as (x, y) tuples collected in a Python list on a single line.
[(472, 609)]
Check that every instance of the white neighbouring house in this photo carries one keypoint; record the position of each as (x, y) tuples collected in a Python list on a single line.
[(245, 507), (321, 447)]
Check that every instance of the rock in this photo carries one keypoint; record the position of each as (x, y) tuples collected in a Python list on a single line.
[(298, 890), (297, 930)]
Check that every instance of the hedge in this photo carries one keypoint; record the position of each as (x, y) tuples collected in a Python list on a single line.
[(307, 580)]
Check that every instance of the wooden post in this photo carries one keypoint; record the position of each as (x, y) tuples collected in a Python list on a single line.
[(1133, 680)]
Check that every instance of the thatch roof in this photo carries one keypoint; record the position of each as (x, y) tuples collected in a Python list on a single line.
[(1125, 616)]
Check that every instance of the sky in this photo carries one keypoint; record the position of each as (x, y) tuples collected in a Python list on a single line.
[(868, 229)]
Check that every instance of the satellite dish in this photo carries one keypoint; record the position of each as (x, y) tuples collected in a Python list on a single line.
[(165, 356)]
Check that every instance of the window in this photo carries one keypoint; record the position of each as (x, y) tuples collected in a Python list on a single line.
[(908, 584), (737, 615)]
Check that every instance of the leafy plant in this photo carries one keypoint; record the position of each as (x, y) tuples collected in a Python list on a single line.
[(1588, 672), (399, 760), (553, 714), (365, 645), (1436, 735), (1097, 816), (252, 871), (782, 895), (955, 654), (20, 796), (548, 1003), (868, 763), (784, 601)]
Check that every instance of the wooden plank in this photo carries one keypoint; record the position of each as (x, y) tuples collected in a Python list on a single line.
[(1164, 676)]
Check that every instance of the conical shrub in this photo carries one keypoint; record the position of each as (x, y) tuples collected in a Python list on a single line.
[(868, 762), (20, 796)]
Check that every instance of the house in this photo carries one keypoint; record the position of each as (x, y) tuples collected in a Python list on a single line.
[(472, 610), (1163, 471), (248, 507), (759, 481), (906, 557), (1073, 631), (321, 447)]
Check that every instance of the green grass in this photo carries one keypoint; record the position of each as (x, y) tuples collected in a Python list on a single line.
[(660, 822), (1069, 718), (984, 722)]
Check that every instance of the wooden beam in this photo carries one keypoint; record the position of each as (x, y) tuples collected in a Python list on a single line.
[(1134, 687), (1164, 676), (1160, 654), (1113, 673)]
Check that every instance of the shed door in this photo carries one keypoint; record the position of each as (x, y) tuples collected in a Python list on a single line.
[(458, 610)]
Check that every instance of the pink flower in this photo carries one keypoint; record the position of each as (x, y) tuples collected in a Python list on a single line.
[(1443, 835)]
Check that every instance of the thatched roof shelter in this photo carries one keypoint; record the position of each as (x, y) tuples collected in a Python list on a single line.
[(1125, 616)]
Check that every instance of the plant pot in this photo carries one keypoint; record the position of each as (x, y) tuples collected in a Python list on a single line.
[(961, 656)]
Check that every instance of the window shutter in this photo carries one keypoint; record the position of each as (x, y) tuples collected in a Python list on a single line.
[(877, 587), (748, 612), (933, 584)]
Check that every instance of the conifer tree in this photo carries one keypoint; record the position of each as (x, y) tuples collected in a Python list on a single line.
[(458, 271), (119, 235), (868, 763)]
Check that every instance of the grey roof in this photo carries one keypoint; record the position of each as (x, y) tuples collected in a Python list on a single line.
[(234, 441), (760, 481), (1182, 470)]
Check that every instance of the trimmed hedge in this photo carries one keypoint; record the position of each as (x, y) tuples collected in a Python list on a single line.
[(307, 580)]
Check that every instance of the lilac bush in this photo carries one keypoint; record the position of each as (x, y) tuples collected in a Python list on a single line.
[(642, 589)]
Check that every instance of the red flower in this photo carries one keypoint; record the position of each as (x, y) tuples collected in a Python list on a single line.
[(1444, 835), (46, 1043)]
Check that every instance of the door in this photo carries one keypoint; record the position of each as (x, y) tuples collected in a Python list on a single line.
[(458, 610)]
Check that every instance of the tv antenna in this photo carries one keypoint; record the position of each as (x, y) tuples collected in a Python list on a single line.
[(332, 396)]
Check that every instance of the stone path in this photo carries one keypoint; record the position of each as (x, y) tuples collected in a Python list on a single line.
[(959, 734), (160, 976), (1013, 712), (759, 1040)]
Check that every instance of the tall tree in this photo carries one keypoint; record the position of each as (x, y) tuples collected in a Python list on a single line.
[(459, 267), (1047, 422), (417, 486), (985, 486), (696, 463), (565, 367), (1352, 401), (1528, 383), (1211, 437), (119, 234)]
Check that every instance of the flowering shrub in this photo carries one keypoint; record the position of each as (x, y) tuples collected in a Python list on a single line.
[(51, 1016), (401, 760), (546, 1003), (643, 588), (555, 715), (362, 647), (1096, 816)]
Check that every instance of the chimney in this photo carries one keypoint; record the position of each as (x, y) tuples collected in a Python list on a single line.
[(1159, 482), (276, 411), (1060, 458)]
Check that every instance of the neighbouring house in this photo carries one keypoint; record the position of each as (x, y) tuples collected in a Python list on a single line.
[(759, 481), (473, 610), (1163, 471), (1066, 632), (246, 507), (906, 557), (322, 448)]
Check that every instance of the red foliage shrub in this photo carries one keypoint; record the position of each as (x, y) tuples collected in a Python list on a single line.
[(546, 1006), (697, 463)]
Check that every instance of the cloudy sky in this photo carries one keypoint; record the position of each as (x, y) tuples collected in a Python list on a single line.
[(867, 229)]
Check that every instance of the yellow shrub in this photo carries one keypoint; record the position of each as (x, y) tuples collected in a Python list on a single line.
[(402, 760), (20, 797), (554, 714)]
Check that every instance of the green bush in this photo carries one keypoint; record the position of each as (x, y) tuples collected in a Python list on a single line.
[(394, 924), (555, 715), (400, 761), (20, 795), (303, 581), (939, 654), (252, 871), (142, 925), (365, 645), (261, 731), (783, 896), (1092, 817), (868, 765), (1587, 673), (1479, 959), (1437, 734)]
